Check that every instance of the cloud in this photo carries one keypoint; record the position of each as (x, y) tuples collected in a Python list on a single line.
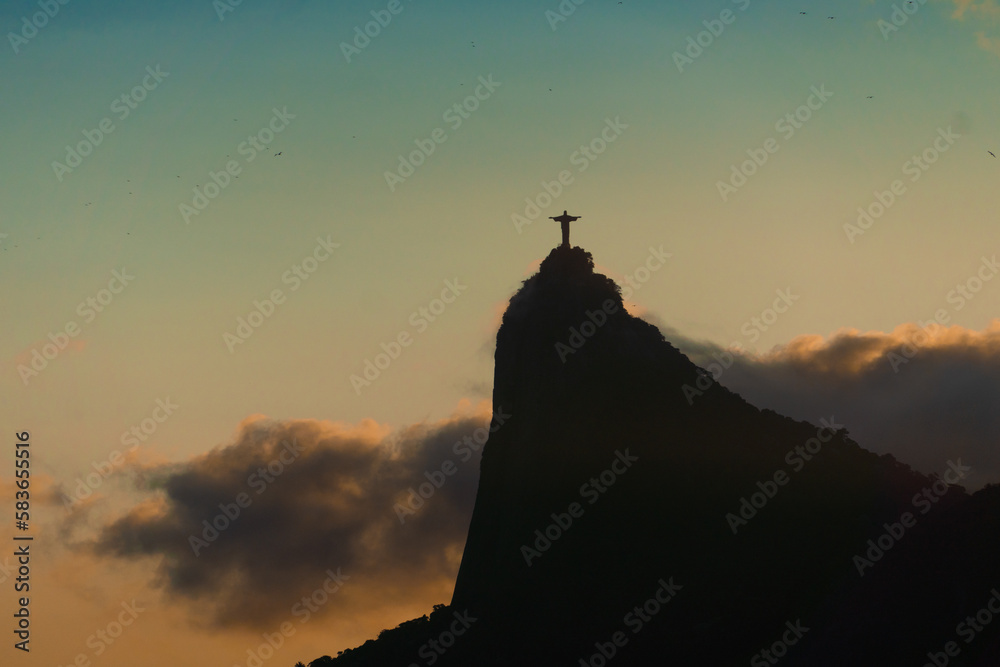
[(321, 497), (923, 395), (988, 44), (987, 9)]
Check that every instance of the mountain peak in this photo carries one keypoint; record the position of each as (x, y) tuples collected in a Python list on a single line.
[(567, 273), (567, 261)]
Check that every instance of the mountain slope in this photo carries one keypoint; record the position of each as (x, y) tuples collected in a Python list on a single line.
[(631, 508)]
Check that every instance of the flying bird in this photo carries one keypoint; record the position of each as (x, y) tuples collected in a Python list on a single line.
[(991, 153)]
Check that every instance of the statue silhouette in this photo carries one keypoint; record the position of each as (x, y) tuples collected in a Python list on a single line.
[(565, 219)]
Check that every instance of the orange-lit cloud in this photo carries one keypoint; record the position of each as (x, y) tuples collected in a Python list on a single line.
[(987, 9), (851, 352), (925, 395), (316, 496), (988, 44)]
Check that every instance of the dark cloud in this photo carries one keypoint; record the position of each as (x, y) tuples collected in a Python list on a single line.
[(329, 507), (926, 397), (923, 395)]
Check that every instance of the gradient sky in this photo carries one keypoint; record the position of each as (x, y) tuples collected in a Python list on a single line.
[(655, 185)]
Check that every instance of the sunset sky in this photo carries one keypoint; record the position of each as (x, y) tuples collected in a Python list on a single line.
[(644, 127)]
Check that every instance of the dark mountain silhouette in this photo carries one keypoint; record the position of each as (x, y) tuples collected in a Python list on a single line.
[(606, 414)]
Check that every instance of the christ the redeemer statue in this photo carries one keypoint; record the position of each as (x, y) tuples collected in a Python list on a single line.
[(565, 219)]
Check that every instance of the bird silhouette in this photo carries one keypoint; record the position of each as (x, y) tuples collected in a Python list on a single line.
[(991, 153)]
